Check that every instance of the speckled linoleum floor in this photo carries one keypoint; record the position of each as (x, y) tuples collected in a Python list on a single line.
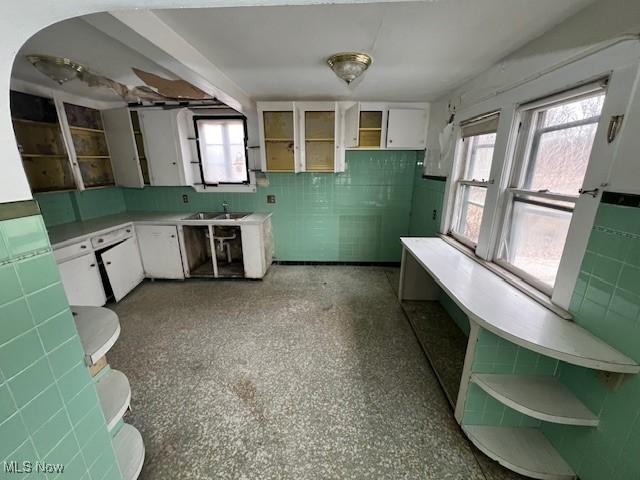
[(313, 373)]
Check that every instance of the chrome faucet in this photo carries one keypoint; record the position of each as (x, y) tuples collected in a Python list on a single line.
[(225, 206)]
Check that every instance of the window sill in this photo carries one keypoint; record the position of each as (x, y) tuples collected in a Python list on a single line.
[(533, 293)]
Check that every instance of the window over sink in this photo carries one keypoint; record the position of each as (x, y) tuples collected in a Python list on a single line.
[(222, 150)]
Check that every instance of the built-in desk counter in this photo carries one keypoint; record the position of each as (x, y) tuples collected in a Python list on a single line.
[(431, 267)]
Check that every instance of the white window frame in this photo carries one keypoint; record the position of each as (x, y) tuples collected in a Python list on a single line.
[(463, 156), (526, 147)]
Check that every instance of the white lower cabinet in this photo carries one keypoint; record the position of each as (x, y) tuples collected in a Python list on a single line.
[(81, 280), (257, 249), (160, 251), (124, 268)]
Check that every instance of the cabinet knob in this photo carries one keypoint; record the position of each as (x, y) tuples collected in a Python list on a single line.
[(83, 246), (128, 230), (173, 236), (100, 240), (108, 263), (390, 141), (173, 163), (92, 265)]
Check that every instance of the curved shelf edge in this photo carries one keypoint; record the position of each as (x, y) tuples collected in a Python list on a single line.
[(129, 449), (114, 393), (98, 329), (523, 450), (453, 270), (541, 397)]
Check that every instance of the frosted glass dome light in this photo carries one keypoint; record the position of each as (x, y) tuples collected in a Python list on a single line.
[(349, 65)]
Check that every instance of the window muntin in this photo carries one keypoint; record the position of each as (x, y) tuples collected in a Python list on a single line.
[(476, 155), (550, 172), (222, 150)]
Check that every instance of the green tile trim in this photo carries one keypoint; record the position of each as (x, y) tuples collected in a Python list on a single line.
[(24, 208)]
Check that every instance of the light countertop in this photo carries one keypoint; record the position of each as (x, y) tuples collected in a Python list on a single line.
[(61, 235)]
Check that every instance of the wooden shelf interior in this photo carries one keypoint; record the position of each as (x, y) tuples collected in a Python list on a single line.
[(114, 393), (39, 138), (90, 145), (319, 134), (541, 397), (370, 130), (139, 139), (279, 141)]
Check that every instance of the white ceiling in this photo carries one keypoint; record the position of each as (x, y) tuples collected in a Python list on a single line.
[(79, 41), (420, 50)]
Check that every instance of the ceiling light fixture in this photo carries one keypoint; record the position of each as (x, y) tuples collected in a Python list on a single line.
[(349, 65), (59, 69)]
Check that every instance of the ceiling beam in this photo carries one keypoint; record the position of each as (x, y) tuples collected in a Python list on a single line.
[(145, 32)]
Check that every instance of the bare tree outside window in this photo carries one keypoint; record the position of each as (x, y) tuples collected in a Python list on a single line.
[(561, 137)]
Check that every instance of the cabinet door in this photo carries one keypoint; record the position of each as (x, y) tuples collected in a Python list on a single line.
[(82, 282), (160, 132), (123, 267), (351, 126), (319, 133), (160, 251), (407, 128), (122, 145)]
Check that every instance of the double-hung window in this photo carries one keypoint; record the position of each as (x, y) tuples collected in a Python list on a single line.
[(551, 159), (474, 167), (222, 150)]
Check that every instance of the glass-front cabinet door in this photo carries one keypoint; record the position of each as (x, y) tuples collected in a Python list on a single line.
[(279, 147)]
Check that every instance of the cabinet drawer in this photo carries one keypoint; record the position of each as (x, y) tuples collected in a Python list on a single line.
[(70, 251), (112, 237)]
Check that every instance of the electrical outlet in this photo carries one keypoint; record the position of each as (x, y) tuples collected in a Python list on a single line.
[(185, 198), (271, 199), (434, 214)]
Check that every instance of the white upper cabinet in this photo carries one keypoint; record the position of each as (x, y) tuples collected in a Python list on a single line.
[(351, 125), (314, 136), (320, 136), (122, 145), (163, 147), (407, 128), (279, 149)]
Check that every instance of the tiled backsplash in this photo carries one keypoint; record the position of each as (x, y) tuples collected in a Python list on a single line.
[(357, 215), (65, 207), (606, 301), (49, 410)]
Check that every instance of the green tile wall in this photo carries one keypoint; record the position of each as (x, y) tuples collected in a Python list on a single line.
[(606, 301), (49, 409), (497, 355), (64, 207), (357, 215), (426, 207)]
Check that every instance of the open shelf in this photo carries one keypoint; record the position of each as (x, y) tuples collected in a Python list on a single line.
[(98, 329), (540, 397), (523, 450), (507, 312), (114, 393), (129, 449)]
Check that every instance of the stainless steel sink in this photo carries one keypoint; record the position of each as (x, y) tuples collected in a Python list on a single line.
[(216, 216), (203, 216), (231, 216)]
